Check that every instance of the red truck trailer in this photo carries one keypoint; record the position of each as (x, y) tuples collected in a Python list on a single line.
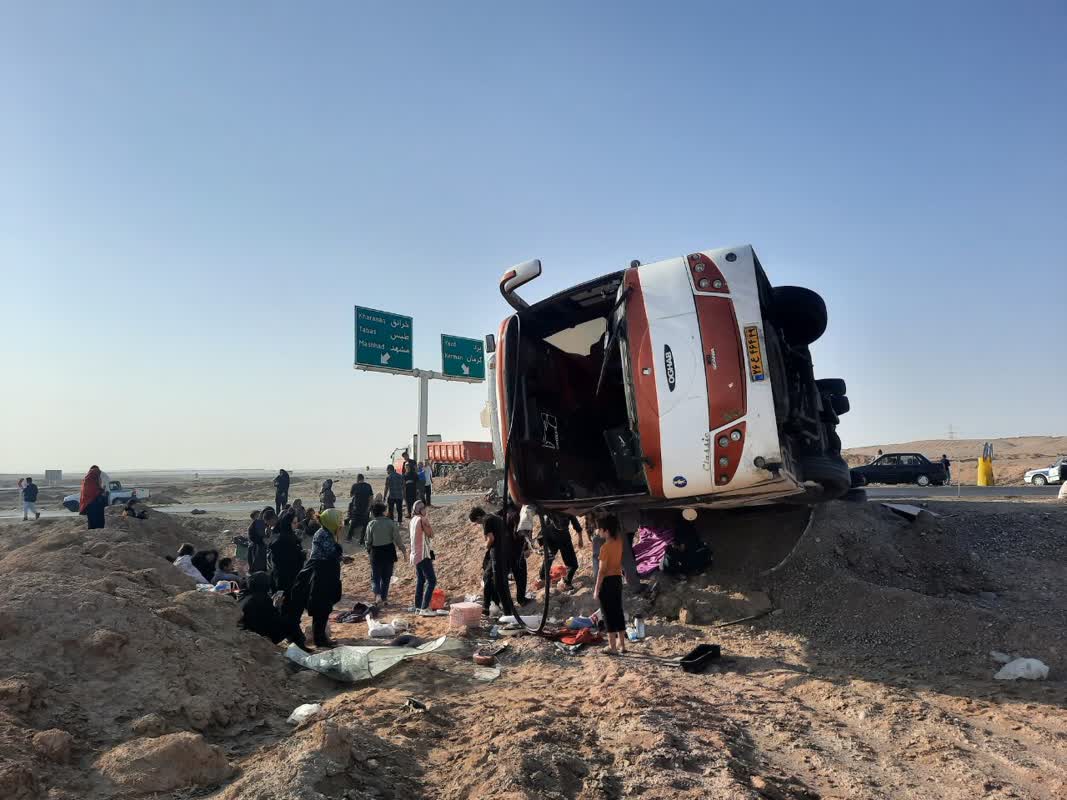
[(446, 456)]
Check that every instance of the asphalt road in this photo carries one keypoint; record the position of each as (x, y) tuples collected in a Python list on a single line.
[(873, 492), (217, 509), (974, 492)]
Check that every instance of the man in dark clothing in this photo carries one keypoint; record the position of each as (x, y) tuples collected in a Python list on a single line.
[(556, 538), (394, 493), (411, 484), (359, 508), (948, 468), (281, 490), (286, 556), (29, 500), (495, 532)]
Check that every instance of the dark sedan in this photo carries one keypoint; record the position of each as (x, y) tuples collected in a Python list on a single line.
[(900, 468)]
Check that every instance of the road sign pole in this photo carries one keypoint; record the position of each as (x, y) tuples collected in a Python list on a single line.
[(423, 411)]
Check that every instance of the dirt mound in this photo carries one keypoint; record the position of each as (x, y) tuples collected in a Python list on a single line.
[(164, 763), (103, 638), (474, 477), (868, 583)]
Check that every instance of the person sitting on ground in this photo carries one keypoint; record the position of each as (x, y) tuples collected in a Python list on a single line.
[(205, 560), (318, 586), (184, 562), (311, 524), (383, 538), (259, 614), (299, 511), (688, 553), (493, 529), (327, 499), (285, 555), (422, 558), (225, 571), (609, 583), (131, 510)]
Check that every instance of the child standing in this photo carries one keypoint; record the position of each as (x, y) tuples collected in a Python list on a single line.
[(609, 583)]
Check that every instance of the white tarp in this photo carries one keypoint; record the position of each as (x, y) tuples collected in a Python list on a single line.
[(354, 664)]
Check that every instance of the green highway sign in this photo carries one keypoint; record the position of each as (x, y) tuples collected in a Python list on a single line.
[(462, 358), (383, 341)]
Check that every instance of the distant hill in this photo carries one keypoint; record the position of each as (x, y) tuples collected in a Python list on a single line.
[(1011, 457)]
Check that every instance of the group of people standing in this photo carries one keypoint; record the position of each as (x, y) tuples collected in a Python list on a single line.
[(284, 582), (413, 482), (610, 562)]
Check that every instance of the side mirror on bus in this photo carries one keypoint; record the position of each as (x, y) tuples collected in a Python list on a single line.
[(515, 277)]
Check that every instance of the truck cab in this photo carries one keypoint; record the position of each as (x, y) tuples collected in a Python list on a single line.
[(683, 383), (116, 495)]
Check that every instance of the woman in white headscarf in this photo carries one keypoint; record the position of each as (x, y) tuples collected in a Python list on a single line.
[(422, 558)]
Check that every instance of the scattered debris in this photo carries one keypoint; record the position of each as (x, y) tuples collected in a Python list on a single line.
[(355, 664), (303, 713), (486, 674), (413, 704), (910, 512), (1029, 669)]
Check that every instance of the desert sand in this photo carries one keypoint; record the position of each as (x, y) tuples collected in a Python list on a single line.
[(865, 673)]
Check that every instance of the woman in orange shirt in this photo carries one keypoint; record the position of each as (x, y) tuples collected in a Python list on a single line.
[(609, 583)]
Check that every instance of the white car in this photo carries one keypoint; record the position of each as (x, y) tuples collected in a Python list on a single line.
[(685, 383), (1042, 477)]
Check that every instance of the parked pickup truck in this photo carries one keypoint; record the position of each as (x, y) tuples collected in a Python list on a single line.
[(116, 495), (1057, 473), (900, 468)]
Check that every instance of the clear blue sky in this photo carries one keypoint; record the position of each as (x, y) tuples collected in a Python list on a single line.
[(193, 196)]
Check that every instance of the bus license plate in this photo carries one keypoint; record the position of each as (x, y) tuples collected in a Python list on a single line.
[(755, 354)]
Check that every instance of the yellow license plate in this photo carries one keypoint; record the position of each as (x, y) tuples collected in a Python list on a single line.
[(755, 354)]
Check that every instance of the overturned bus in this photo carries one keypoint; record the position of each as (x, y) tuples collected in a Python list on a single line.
[(687, 383)]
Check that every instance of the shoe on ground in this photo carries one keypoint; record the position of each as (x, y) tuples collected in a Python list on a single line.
[(328, 643)]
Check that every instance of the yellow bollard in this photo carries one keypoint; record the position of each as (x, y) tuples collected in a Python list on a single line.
[(985, 466)]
